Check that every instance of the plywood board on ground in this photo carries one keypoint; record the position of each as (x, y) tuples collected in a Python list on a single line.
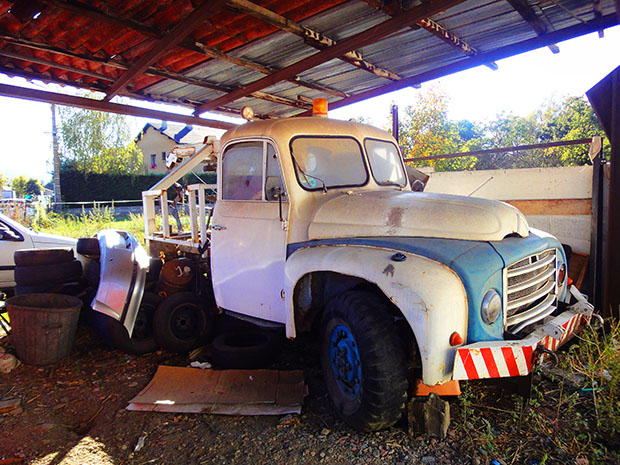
[(223, 392)]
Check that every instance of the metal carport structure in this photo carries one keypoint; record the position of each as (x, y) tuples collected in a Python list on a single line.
[(273, 55)]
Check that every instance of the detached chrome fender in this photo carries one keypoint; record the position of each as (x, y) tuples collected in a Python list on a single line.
[(429, 294), (124, 263)]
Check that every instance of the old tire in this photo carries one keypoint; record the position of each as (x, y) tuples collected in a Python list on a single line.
[(88, 246), (48, 274), (34, 257), (245, 349), (182, 322), (142, 340), (363, 360)]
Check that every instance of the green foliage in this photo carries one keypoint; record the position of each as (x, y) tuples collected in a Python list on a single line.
[(24, 186), (88, 223), (97, 142), (77, 187), (425, 130), (4, 180)]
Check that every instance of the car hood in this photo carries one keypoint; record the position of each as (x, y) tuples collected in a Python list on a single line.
[(52, 240), (416, 214)]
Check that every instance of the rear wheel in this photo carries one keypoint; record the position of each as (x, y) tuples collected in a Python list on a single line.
[(182, 322), (364, 361)]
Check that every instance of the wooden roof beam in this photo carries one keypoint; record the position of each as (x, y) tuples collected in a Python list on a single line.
[(116, 63), (433, 27), (164, 44), (100, 105), (362, 39), (311, 37), (529, 16), (187, 43)]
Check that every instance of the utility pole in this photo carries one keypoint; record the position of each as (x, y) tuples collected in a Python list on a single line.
[(57, 194)]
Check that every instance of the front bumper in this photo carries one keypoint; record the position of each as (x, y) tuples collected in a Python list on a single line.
[(500, 359)]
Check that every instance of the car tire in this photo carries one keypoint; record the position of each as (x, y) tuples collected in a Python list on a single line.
[(70, 288), (43, 274), (142, 340), (88, 246), (245, 349), (363, 360), (182, 323), (35, 257)]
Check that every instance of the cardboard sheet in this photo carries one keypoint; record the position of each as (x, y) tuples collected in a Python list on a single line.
[(223, 392)]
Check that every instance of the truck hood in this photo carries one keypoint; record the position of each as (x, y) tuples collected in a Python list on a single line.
[(416, 214)]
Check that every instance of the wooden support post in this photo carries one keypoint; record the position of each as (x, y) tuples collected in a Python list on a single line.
[(202, 213), (193, 214), (611, 300), (165, 219)]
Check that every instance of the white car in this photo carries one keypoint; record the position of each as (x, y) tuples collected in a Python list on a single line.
[(14, 236)]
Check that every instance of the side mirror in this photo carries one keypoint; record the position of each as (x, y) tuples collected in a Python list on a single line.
[(417, 178), (273, 188)]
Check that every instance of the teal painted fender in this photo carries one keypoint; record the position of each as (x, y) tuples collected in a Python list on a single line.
[(429, 294)]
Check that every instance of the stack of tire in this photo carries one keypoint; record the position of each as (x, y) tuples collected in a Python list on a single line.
[(47, 270)]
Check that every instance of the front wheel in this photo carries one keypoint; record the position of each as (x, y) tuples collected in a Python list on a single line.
[(364, 361)]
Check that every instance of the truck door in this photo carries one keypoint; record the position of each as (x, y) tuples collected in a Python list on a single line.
[(248, 238)]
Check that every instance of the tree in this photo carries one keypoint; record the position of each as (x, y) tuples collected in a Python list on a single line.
[(24, 186), (4, 180), (426, 131), (571, 118), (97, 142)]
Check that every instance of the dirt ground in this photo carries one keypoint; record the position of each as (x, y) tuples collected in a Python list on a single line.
[(74, 413)]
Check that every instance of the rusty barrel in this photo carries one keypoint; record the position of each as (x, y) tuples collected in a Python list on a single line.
[(176, 275), (43, 326)]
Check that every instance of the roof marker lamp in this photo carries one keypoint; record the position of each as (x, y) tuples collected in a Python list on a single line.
[(319, 107), (491, 307), (247, 113)]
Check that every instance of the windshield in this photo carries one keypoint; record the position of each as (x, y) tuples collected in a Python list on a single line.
[(385, 162), (323, 162)]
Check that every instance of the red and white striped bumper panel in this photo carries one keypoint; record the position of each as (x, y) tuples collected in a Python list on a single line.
[(500, 359)]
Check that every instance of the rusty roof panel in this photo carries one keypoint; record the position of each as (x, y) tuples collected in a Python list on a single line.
[(125, 30)]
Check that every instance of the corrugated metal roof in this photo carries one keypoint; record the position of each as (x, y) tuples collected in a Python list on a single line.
[(93, 43)]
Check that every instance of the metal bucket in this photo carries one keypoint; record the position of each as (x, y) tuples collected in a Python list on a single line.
[(43, 326)]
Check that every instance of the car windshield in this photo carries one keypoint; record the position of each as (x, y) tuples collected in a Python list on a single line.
[(385, 162), (323, 162)]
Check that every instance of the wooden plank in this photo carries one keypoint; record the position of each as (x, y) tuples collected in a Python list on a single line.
[(99, 105), (553, 207)]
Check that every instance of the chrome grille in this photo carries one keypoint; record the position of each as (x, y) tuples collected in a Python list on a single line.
[(531, 290)]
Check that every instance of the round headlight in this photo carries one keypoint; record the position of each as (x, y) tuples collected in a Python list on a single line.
[(562, 274), (491, 307)]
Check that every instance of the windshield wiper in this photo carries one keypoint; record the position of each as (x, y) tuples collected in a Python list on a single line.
[(306, 174)]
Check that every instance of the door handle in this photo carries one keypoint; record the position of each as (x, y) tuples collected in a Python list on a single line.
[(218, 227)]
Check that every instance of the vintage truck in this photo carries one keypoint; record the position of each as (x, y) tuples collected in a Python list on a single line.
[(316, 226)]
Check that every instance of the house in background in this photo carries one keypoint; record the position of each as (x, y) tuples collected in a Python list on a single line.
[(7, 192), (155, 142)]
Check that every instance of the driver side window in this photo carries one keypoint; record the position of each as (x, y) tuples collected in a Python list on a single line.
[(251, 171)]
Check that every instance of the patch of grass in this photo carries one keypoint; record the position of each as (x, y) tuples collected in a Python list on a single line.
[(571, 412), (88, 223)]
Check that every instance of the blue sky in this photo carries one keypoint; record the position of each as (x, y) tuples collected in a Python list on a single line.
[(520, 85)]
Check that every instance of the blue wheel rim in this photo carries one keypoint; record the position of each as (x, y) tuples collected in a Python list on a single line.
[(345, 361)]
